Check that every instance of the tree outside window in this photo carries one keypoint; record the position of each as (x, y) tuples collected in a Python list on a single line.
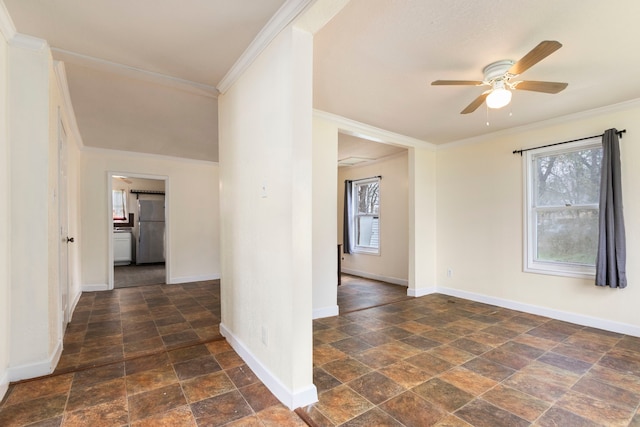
[(563, 195), (366, 221)]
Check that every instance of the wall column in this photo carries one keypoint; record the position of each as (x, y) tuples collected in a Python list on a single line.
[(34, 282), (422, 221)]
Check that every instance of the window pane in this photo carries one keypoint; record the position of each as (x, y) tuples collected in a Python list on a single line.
[(367, 231), (570, 178), (368, 198), (567, 236), (119, 210)]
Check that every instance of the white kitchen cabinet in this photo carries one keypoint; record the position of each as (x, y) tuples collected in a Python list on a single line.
[(122, 248)]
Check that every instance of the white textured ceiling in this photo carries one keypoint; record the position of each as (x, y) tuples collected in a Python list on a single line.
[(142, 74), (195, 40), (373, 62)]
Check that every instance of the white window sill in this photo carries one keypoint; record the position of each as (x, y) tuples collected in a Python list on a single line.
[(366, 251), (562, 270)]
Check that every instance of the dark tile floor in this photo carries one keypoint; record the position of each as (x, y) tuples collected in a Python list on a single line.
[(146, 356), (152, 356), (357, 293), (126, 276), (444, 361)]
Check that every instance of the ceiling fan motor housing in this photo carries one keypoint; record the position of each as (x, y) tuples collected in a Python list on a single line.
[(496, 70)]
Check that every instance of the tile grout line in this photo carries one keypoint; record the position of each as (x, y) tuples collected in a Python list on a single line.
[(126, 359), (545, 352)]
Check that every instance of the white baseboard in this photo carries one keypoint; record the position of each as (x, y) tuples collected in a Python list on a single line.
[(578, 319), (420, 292), (74, 303), (95, 287), (291, 399), (188, 279), (394, 280), (319, 313), (57, 354), (37, 369), (4, 384)]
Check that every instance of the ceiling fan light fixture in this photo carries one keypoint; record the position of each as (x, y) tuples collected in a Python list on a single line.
[(498, 98)]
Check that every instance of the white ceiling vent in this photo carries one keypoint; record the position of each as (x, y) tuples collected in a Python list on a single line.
[(351, 161)]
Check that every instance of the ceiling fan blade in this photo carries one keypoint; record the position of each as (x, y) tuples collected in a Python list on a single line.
[(536, 55), (457, 83), (546, 87), (475, 103)]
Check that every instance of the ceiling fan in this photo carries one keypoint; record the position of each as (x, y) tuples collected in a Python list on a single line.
[(500, 77)]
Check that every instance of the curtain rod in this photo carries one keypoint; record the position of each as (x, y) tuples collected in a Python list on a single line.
[(620, 132), (147, 191), (363, 179)]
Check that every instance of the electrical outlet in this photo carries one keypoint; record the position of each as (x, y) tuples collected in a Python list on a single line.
[(265, 335), (449, 273)]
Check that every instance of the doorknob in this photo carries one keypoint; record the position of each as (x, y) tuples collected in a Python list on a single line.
[(70, 240)]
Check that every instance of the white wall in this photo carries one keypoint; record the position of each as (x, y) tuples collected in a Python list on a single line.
[(325, 225), (266, 216), (391, 265), (34, 104), (422, 221), (192, 209), (480, 225), (33, 273), (5, 221)]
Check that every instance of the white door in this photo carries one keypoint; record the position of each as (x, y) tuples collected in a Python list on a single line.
[(64, 226)]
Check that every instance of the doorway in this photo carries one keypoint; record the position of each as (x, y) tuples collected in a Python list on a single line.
[(139, 230), (63, 218), (376, 270)]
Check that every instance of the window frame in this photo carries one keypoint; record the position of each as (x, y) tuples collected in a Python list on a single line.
[(530, 264), (369, 250)]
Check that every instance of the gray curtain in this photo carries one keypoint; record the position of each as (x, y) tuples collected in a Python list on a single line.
[(347, 243), (612, 253)]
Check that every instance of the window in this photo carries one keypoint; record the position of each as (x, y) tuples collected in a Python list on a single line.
[(366, 215), (120, 205), (563, 192)]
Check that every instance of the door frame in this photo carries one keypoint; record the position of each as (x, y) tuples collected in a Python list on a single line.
[(109, 223), (63, 228)]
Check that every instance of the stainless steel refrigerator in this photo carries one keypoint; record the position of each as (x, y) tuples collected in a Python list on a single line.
[(150, 247)]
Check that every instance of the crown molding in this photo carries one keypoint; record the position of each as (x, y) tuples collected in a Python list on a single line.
[(283, 17), (7, 27), (28, 42), (373, 162), (136, 73), (372, 133), (622, 106)]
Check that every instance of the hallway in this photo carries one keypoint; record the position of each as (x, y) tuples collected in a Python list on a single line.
[(146, 356)]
